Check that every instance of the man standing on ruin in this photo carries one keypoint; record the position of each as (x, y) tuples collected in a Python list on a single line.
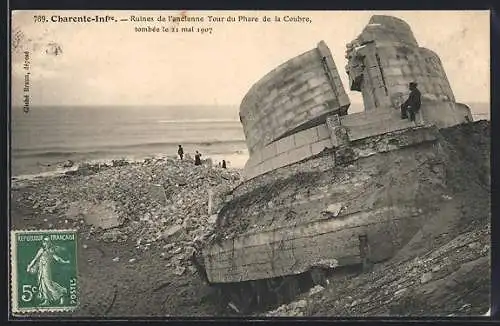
[(412, 104)]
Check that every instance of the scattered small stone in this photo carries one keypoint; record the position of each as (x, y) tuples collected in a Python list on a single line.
[(300, 304), (179, 270), (232, 306), (474, 245), (131, 260), (113, 235), (172, 231), (169, 246), (116, 259), (316, 289), (212, 219), (436, 268), (485, 249), (334, 209)]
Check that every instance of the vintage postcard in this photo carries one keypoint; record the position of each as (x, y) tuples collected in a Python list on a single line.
[(250, 163)]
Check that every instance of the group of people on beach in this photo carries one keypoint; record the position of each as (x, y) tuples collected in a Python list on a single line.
[(197, 157)]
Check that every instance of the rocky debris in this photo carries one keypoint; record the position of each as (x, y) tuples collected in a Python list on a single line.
[(326, 263), (294, 309), (67, 164), (179, 270), (316, 289), (391, 285), (156, 200), (172, 231), (114, 235), (158, 194), (426, 277), (217, 197), (417, 286), (333, 210), (102, 214)]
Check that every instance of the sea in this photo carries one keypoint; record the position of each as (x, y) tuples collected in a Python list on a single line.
[(45, 138)]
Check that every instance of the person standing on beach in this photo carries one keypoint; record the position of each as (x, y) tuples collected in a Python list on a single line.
[(180, 151), (223, 164), (197, 158)]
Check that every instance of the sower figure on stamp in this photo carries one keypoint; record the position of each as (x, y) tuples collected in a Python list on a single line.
[(48, 290), (412, 104)]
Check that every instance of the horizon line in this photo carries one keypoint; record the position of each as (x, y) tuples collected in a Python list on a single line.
[(177, 105)]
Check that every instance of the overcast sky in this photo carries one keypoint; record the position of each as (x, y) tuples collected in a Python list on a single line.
[(110, 64)]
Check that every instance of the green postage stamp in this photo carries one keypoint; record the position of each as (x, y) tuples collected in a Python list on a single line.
[(44, 274)]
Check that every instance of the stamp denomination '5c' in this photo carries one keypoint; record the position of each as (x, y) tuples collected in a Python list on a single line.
[(44, 270)]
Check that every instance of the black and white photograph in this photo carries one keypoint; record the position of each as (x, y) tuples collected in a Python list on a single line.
[(250, 164)]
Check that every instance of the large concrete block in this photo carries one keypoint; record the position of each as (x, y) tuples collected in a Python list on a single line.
[(305, 137), (300, 153), (255, 158), (303, 76), (323, 132), (278, 102), (288, 116), (315, 81), (266, 166), (392, 71), (285, 144), (290, 105), (318, 147), (303, 88), (284, 97), (300, 118), (317, 110), (324, 98), (269, 151), (280, 160)]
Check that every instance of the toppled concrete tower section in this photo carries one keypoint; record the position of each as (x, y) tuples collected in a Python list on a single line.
[(304, 211), (284, 113), (386, 57)]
